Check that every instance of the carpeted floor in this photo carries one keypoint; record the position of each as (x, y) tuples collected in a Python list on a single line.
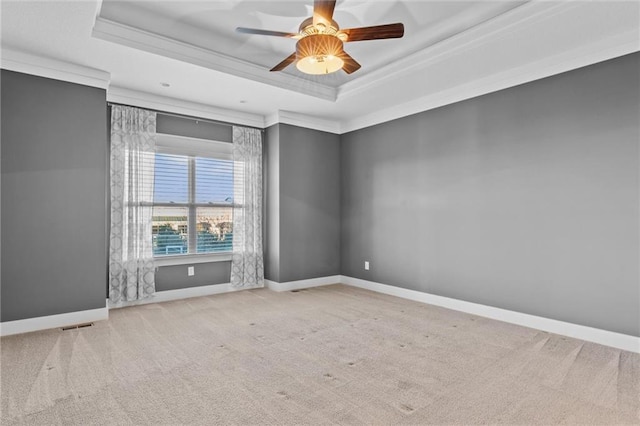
[(328, 355)]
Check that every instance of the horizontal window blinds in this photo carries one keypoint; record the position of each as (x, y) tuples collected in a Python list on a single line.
[(193, 204)]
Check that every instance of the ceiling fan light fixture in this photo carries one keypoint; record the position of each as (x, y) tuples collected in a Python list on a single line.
[(320, 41), (320, 64), (319, 54)]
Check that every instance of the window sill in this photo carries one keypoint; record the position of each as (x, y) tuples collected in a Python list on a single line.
[(191, 259)]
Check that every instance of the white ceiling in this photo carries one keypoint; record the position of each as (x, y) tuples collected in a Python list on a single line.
[(452, 50), (211, 25)]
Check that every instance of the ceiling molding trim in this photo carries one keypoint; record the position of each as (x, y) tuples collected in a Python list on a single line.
[(271, 119), (162, 103), (526, 14), (303, 120), (606, 49), (136, 38), (27, 63)]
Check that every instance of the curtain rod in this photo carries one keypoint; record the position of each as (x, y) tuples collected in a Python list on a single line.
[(190, 117)]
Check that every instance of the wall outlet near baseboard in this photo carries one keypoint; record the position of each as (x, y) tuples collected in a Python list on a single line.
[(191, 271), (366, 265)]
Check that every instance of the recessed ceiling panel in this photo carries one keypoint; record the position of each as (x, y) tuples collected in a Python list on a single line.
[(211, 26)]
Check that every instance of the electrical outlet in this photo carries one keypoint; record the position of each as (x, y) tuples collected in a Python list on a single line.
[(191, 271), (366, 265)]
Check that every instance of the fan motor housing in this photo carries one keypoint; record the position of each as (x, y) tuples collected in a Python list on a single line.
[(307, 27)]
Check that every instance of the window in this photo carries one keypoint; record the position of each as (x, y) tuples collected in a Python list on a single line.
[(193, 197)]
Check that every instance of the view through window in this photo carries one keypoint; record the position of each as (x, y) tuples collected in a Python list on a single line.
[(192, 209)]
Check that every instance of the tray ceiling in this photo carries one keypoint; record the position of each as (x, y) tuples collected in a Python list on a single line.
[(451, 51), (211, 26)]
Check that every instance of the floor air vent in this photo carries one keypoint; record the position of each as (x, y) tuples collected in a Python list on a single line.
[(73, 327), (299, 290)]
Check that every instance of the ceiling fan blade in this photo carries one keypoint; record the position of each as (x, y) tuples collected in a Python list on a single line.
[(282, 65), (323, 10), (350, 64), (374, 33), (266, 32)]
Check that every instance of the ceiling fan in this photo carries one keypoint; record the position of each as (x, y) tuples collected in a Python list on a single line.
[(319, 49)]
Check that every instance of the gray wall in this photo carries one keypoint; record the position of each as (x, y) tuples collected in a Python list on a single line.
[(303, 203), (271, 202), (54, 171), (525, 199), (175, 277)]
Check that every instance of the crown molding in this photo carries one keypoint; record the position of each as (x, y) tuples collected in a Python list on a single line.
[(607, 49), (497, 71), (162, 103), (303, 120), (474, 37), (126, 35), (622, 43), (28, 63)]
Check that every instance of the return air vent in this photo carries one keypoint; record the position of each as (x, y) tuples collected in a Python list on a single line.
[(73, 327)]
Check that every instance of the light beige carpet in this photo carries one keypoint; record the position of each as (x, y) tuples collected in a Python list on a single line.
[(328, 355)]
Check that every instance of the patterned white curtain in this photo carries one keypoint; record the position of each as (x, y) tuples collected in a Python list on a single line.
[(247, 268), (133, 140)]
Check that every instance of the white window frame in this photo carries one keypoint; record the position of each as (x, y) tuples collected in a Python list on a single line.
[(192, 147)]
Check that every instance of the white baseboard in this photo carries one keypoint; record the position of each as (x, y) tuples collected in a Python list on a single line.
[(603, 337), (182, 293), (300, 284), (8, 328)]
